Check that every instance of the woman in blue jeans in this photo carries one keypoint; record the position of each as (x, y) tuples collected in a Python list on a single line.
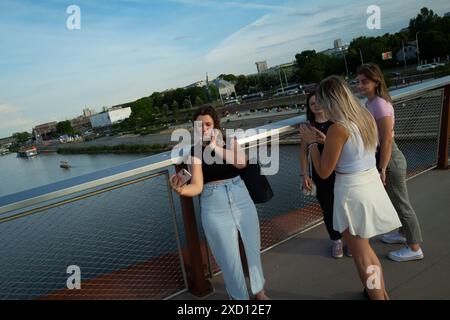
[(226, 207)]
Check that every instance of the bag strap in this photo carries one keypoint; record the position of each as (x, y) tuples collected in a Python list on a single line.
[(309, 164)]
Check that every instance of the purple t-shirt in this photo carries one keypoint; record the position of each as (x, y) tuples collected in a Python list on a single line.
[(380, 108)]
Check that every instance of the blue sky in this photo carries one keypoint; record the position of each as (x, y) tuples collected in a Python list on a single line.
[(127, 49)]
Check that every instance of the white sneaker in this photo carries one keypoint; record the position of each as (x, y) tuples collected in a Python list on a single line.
[(337, 250), (406, 254), (394, 237)]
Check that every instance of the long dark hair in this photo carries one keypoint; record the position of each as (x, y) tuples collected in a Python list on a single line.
[(310, 116), (373, 72)]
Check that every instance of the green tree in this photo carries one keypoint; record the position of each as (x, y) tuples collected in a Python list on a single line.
[(434, 44), (142, 113), (229, 77), (164, 113), (199, 101), (176, 111), (186, 104), (312, 67), (21, 137), (214, 92), (64, 127), (425, 21), (241, 85)]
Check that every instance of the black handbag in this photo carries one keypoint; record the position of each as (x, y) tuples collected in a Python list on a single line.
[(257, 184)]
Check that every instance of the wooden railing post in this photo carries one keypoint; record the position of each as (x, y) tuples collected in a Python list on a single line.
[(444, 131), (197, 282)]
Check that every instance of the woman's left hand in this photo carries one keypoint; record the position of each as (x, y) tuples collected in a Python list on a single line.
[(216, 140), (307, 134), (320, 137)]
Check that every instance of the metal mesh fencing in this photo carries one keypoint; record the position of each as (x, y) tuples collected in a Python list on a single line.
[(123, 240), (417, 121)]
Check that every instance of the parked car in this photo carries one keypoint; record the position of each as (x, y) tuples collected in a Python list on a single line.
[(252, 97), (425, 67), (289, 90), (231, 102), (438, 64)]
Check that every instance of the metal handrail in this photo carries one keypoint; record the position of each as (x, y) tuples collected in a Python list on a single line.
[(161, 161)]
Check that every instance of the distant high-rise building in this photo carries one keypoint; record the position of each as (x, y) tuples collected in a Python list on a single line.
[(88, 112), (337, 43), (261, 66)]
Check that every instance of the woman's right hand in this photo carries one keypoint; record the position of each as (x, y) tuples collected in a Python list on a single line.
[(307, 183), (176, 183)]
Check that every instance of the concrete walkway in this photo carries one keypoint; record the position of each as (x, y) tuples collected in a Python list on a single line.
[(302, 268)]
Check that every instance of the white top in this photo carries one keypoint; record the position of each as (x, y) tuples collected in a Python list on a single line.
[(354, 158)]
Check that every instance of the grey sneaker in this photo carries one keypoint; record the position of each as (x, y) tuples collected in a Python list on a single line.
[(337, 249), (406, 254)]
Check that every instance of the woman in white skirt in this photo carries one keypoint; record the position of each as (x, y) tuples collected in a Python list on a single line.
[(362, 208)]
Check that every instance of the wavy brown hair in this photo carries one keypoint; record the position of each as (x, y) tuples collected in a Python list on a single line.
[(208, 111), (373, 72)]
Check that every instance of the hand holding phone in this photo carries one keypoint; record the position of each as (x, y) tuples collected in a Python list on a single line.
[(207, 136), (184, 176)]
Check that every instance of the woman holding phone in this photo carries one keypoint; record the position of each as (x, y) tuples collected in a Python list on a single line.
[(227, 209), (325, 187), (362, 208)]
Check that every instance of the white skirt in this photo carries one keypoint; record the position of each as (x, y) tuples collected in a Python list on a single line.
[(362, 205)]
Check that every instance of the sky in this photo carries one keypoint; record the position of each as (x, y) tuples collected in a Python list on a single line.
[(127, 49)]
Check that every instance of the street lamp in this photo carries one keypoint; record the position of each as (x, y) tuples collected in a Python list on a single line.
[(360, 54), (346, 68), (417, 48), (281, 81), (404, 54), (285, 77)]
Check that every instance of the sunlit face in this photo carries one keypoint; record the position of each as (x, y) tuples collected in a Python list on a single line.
[(207, 124), (315, 108), (366, 86)]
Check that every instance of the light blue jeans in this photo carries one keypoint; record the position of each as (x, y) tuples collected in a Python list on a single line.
[(226, 209)]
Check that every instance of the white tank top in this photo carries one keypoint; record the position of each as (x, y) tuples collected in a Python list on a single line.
[(354, 158)]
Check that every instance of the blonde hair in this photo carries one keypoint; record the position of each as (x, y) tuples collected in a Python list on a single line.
[(373, 72), (341, 106)]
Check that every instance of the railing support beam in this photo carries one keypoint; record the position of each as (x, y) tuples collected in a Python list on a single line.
[(444, 131), (197, 282)]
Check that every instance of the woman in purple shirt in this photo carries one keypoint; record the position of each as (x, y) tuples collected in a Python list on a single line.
[(391, 163)]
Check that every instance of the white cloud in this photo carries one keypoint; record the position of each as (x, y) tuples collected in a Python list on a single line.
[(5, 109), (278, 35), (230, 4), (11, 117)]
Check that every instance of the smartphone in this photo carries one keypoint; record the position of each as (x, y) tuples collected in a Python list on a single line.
[(184, 175)]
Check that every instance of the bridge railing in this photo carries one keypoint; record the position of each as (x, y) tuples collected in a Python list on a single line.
[(126, 235)]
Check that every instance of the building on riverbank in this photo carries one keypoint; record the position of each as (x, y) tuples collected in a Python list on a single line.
[(110, 117)]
